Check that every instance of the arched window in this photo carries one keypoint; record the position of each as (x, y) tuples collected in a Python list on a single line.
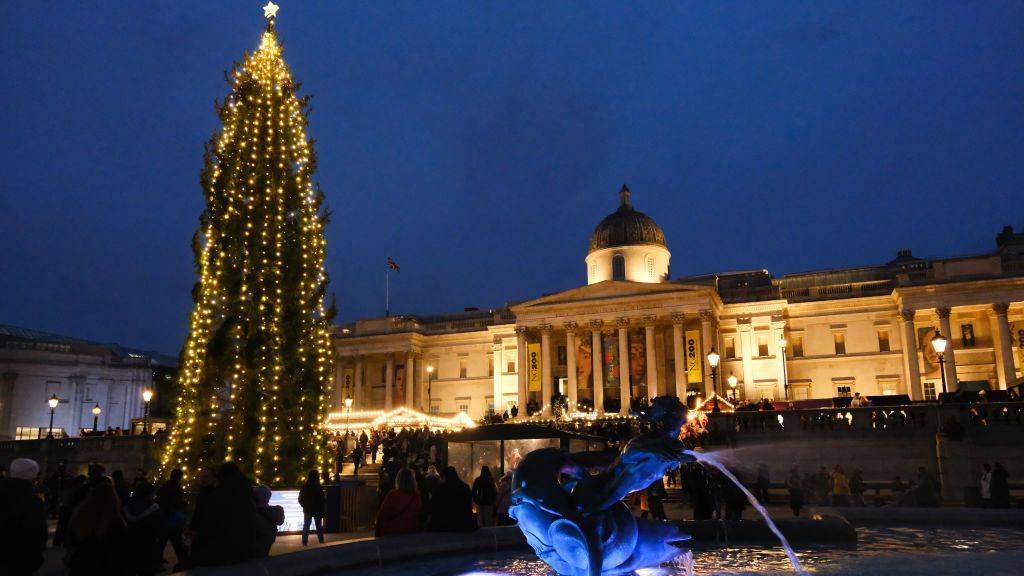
[(618, 267)]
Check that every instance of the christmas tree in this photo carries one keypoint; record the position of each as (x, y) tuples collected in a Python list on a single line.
[(257, 362)]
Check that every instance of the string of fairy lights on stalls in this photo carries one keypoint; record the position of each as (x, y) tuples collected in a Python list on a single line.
[(344, 421), (262, 114)]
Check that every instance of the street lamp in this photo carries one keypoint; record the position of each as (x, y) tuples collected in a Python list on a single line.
[(430, 379), (96, 417), (939, 345), (732, 385), (785, 375), (348, 413), (713, 359), (147, 395), (53, 401)]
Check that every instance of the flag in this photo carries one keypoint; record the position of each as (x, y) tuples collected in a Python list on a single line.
[(393, 265)]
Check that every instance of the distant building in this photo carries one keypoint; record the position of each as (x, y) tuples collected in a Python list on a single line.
[(851, 330), (36, 365)]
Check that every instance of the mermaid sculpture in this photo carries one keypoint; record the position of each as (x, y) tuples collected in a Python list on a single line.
[(575, 519)]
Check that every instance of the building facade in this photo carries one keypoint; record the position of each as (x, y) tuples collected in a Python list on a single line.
[(35, 366), (633, 333)]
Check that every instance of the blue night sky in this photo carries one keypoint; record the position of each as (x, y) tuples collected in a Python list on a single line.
[(479, 143)]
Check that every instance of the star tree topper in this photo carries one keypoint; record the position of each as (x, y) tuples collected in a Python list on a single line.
[(270, 10)]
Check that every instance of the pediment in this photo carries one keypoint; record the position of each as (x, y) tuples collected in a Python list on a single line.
[(611, 290)]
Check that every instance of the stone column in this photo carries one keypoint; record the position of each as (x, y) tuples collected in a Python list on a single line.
[(679, 353), (410, 379), (546, 384), (570, 362), (389, 381), (778, 332), (497, 355), (911, 365), (624, 388), (597, 355), (652, 358), (521, 362), (7, 381), (943, 312), (746, 334), (1003, 344), (357, 388), (709, 341)]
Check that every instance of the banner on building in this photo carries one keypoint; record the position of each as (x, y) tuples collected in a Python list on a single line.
[(348, 384), (694, 358), (533, 361), (610, 348), (584, 364), (637, 361), (398, 387)]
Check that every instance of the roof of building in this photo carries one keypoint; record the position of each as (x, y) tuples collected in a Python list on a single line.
[(626, 227), (48, 341)]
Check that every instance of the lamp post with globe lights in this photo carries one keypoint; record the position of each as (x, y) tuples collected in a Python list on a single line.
[(147, 395), (785, 370), (939, 344), (53, 401), (96, 417), (430, 380), (713, 359), (732, 386)]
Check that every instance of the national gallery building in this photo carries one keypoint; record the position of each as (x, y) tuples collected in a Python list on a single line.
[(634, 332)]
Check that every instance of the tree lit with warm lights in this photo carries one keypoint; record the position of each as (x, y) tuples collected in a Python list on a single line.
[(257, 362)]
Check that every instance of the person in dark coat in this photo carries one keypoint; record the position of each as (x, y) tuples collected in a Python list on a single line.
[(121, 486), (97, 536), (735, 500), (171, 499), (268, 518), (224, 520), (22, 520), (1000, 486), (147, 529), (313, 502), (452, 506), (485, 495)]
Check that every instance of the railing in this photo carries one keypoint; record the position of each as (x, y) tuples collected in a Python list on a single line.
[(949, 419)]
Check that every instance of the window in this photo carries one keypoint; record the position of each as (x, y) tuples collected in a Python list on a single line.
[(801, 392), (840, 340), (967, 335), (435, 407), (929, 390), (33, 433), (883, 341), (462, 367), (844, 390), (797, 345), (510, 361), (730, 347), (463, 406), (762, 345), (888, 386), (618, 267), (490, 365)]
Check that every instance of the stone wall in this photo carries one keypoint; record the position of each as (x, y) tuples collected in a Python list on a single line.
[(126, 453)]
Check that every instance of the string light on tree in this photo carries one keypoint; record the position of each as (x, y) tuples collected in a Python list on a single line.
[(257, 362)]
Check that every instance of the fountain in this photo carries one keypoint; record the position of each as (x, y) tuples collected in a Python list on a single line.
[(581, 527)]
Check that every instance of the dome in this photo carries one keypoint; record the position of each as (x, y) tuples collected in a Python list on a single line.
[(626, 227)]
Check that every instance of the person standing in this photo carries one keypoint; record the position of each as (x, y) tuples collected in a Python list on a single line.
[(223, 521), (857, 488), (147, 527), (452, 507), (986, 485), (840, 487), (763, 483), (268, 518), (504, 500), (795, 486), (1000, 486), (656, 496), (171, 499), (400, 511), (311, 498), (485, 494), (23, 530), (97, 536)]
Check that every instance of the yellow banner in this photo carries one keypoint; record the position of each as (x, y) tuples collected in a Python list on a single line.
[(347, 384), (533, 361), (1018, 332), (694, 358)]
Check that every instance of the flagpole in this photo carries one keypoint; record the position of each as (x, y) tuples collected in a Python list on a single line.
[(387, 291)]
